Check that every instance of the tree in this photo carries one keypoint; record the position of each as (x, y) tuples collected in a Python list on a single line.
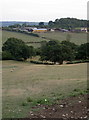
[(41, 24), (17, 48), (24, 24), (15, 26), (68, 23), (50, 24), (71, 49), (56, 52), (83, 51)]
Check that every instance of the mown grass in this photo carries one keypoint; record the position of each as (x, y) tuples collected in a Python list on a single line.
[(30, 84)]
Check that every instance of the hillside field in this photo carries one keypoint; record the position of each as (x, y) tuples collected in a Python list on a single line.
[(24, 37), (25, 85), (77, 38), (29, 84)]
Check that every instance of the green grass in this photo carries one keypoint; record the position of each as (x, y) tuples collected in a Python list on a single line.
[(30, 84), (22, 36), (77, 38)]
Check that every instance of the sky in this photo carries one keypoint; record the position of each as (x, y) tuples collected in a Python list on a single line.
[(42, 10)]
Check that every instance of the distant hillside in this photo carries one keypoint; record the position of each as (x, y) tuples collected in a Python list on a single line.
[(68, 23), (8, 23)]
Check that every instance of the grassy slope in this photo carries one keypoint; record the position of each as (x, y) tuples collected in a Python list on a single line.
[(24, 37), (38, 82), (77, 38)]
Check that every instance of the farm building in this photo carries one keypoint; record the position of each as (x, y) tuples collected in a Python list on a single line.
[(84, 29), (40, 30), (80, 29)]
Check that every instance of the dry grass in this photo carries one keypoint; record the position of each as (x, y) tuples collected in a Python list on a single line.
[(36, 81)]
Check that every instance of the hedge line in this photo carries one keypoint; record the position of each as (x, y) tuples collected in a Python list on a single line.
[(40, 62), (79, 61)]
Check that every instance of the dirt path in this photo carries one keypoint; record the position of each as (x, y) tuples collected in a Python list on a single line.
[(73, 107)]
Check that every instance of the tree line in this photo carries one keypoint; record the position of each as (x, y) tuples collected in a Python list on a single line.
[(68, 23), (53, 51), (65, 23)]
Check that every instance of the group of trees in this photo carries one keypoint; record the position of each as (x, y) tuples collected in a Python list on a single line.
[(68, 23), (53, 51), (16, 49), (65, 51), (58, 52)]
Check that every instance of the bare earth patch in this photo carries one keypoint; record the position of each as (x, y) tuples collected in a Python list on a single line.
[(73, 107)]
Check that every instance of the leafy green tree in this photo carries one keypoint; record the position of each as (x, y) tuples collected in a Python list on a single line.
[(56, 52), (17, 48), (71, 50), (68, 23), (50, 24), (83, 51), (6, 55), (41, 24)]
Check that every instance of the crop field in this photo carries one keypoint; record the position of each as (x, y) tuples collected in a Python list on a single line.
[(26, 84), (77, 38)]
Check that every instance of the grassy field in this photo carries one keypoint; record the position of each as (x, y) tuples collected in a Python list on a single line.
[(77, 38), (26, 84), (24, 37), (29, 84)]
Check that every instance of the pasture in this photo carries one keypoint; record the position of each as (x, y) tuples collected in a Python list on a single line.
[(24, 37), (77, 38), (24, 84)]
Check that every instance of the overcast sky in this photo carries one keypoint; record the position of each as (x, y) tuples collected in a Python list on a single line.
[(42, 10)]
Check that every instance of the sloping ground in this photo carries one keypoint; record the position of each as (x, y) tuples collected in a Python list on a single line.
[(22, 36), (73, 107), (23, 80), (77, 38)]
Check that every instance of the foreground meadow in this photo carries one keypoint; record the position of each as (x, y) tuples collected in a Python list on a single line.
[(26, 85)]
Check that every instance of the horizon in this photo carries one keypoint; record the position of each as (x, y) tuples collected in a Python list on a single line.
[(37, 21)]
